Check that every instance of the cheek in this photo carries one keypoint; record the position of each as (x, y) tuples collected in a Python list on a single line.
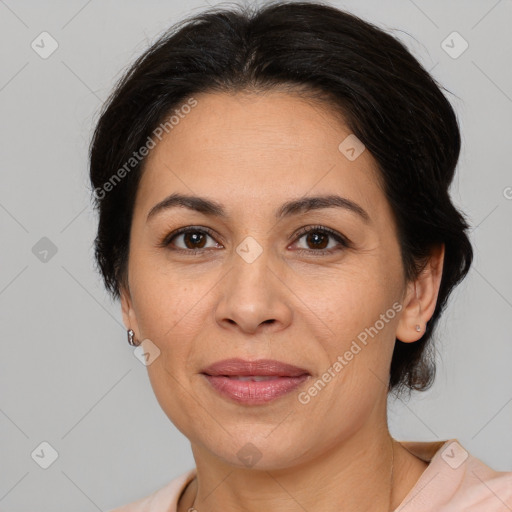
[(359, 312), (347, 300), (167, 314), (167, 302), (171, 309)]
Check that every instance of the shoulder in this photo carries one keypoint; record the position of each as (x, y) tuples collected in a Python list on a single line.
[(455, 480), (481, 488), (164, 499)]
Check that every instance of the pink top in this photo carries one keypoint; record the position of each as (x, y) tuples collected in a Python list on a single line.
[(454, 481)]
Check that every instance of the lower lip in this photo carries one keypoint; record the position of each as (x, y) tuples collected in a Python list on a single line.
[(254, 392)]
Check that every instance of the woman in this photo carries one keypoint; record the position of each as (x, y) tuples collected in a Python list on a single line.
[(274, 217)]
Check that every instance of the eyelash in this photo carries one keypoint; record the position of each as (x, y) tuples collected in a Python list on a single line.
[(343, 241)]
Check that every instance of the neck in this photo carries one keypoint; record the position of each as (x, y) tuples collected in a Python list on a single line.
[(356, 473)]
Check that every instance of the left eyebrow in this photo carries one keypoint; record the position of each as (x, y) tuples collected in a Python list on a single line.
[(306, 204), (293, 207)]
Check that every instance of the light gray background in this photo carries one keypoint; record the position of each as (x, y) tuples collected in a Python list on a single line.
[(67, 375)]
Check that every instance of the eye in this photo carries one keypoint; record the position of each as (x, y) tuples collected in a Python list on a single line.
[(322, 240), (189, 239)]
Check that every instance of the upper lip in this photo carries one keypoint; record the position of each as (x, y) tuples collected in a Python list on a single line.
[(260, 367)]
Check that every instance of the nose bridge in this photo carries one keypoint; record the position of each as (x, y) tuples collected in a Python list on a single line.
[(250, 269), (252, 294)]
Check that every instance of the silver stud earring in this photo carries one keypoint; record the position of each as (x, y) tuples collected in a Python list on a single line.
[(131, 337), (418, 327)]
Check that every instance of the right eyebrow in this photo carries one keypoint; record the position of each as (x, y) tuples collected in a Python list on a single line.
[(199, 204)]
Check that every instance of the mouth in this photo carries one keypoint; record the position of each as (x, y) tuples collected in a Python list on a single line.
[(254, 382)]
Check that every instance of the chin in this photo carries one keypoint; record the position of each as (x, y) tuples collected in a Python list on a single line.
[(261, 451)]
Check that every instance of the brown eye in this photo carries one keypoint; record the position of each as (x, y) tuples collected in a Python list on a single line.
[(194, 240), (321, 240), (189, 239), (317, 240)]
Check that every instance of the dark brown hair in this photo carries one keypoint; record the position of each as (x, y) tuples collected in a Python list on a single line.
[(383, 94)]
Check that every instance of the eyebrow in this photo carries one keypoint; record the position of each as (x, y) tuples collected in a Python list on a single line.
[(293, 207)]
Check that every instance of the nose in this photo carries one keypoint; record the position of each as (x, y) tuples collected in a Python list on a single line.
[(254, 296)]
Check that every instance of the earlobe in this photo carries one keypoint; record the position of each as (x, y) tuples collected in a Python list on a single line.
[(421, 298)]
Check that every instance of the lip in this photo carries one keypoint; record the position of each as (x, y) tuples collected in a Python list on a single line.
[(281, 379), (263, 367)]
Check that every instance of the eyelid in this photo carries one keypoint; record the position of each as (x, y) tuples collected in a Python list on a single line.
[(167, 238), (307, 229), (341, 239)]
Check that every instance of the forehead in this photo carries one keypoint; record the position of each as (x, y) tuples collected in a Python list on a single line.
[(258, 147), (263, 123)]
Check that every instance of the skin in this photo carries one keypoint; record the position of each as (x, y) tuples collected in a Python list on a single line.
[(252, 153)]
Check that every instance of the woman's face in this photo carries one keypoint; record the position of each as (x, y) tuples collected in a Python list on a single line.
[(250, 284)]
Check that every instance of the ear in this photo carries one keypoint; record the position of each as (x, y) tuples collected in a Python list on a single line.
[(421, 298), (129, 318)]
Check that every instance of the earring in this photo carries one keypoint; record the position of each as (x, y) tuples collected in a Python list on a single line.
[(131, 337), (418, 327)]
